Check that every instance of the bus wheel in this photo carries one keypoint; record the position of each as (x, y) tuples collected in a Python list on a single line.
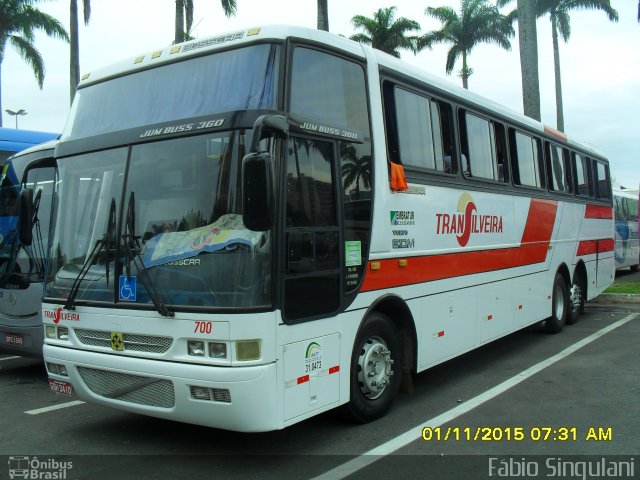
[(576, 300), (376, 367), (559, 306)]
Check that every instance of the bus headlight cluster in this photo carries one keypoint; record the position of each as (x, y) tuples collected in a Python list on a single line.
[(55, 332), (196, 348)]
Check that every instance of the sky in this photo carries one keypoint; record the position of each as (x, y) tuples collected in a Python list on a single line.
[(600, 64)]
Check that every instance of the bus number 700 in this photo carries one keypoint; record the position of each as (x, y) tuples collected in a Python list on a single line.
[(203, 327)]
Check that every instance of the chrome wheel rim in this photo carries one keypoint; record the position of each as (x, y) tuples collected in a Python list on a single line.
[(375, 368)]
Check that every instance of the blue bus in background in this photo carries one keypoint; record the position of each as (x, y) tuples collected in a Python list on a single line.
[(627, 248), (13, 140)]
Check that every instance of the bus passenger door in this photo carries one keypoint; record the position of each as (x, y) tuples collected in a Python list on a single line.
[(312, 234), (312, 286)]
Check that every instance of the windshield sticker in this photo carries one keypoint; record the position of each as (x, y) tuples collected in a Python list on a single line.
[(227, 232), (353, 253), (127, 288)]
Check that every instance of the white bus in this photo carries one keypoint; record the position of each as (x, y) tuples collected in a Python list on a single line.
[(22, 261), (240, 259), (627, 251)]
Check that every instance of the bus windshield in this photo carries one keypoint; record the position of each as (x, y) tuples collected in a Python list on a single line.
[(16, 258), (240, 79), (9, 191), (159, 219)]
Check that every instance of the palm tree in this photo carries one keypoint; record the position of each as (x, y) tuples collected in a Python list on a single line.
[(323, 15), (385, 34), (528, 41), (74, 45), (558, 11), (18, 21), (184, 9), (477, 22), (526, 16)]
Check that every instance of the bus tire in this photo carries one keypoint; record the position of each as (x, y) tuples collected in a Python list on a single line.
[(633, 268), (559, 305), (576, 295), (376, 369)]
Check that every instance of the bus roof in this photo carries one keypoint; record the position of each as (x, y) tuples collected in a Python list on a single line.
[(173, 53), (12, 139)]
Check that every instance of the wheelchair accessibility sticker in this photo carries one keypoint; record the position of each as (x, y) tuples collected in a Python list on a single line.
[(127, 288)]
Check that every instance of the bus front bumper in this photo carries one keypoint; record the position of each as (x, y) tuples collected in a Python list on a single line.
[(25, 341), (233, 398)]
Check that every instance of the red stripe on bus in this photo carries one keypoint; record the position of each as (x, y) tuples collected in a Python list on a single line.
[(335, 369), (591, 247), (598, 211), (303, 379), (533, 249)]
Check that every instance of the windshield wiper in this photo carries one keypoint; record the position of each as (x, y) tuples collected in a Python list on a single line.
[(133, 247), (38, 252), (105, 241)]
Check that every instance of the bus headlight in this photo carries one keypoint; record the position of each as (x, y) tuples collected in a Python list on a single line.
[(247, 350), (195, 348), (50, 332), (63, 333), (217, 350)]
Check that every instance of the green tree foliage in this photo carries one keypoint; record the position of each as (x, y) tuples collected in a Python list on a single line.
[(478, 21), (19, 20), (558, 11), (184, 11), (385, 33)]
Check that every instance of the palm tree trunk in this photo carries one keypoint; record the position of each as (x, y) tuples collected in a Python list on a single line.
[(323, 15), (465, 70), (179, 29), (74, 49), (528, 40), (556, 65)]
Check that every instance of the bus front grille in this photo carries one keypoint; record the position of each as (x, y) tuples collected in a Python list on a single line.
[(154, 392), (132, 341)]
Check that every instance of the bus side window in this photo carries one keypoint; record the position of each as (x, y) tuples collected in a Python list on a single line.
[(559, 174), (480, 139), (582, 177), (525, 159), (601, 180), (418, 130)]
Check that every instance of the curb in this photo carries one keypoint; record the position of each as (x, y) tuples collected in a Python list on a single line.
[(616, 298)]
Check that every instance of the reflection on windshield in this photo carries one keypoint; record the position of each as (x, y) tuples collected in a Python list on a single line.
[(182, 236)]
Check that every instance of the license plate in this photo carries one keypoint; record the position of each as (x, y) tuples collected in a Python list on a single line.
[(61, 388), (13, 339)]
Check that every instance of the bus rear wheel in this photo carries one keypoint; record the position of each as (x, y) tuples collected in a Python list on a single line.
[(559, 305), (376, 367), (577, 294)]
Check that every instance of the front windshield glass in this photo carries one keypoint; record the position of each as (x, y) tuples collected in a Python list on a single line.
[(179, 221), (9, 192), (16, 258)]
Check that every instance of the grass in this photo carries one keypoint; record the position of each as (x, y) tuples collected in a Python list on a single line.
[(624, 286)]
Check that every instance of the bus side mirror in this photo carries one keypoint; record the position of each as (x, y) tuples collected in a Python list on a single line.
[(26, 216), (268, 126), (257, 174), (257, 191)]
